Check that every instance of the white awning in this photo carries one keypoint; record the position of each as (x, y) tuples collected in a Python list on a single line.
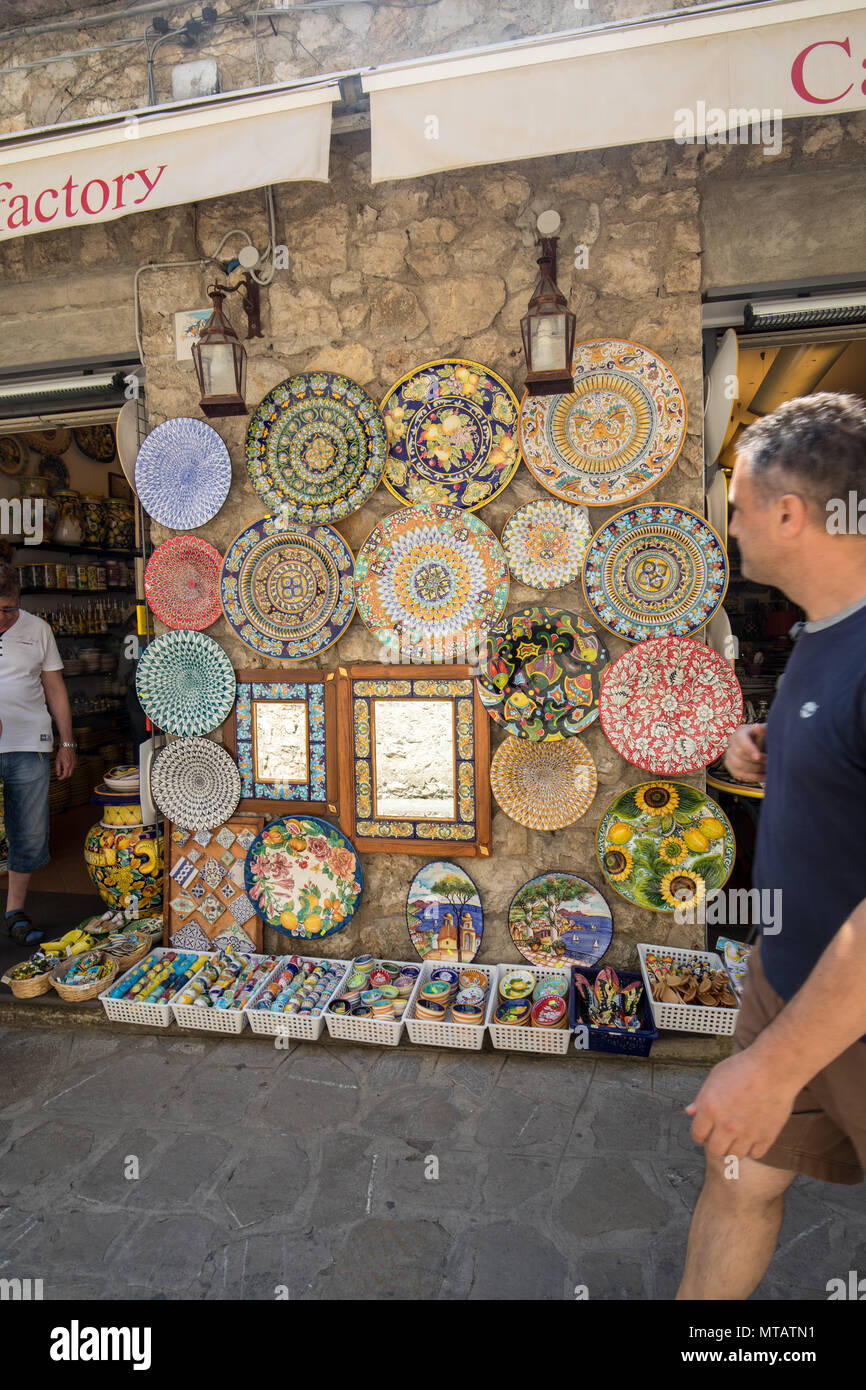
[(619, 85), (147, 160)]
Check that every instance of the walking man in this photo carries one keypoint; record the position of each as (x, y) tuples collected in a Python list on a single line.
[(792, 1098), (31, 685)]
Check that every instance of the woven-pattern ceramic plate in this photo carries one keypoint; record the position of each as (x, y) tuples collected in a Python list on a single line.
[(316, 447), (444, 913), (181, 583), (664, 845), (452, 434), (615, 435), (655, 570), (288, 591), (545, 542), (183, 473), (304, 876), (542, 674), (185, 682), (543, 786), (560, 919), (195, 783), (431, 571), (670, 705)]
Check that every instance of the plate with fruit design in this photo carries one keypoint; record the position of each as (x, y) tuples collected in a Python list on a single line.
[(304, 876)]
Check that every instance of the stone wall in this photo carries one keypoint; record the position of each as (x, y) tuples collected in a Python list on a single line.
[(384, 278)]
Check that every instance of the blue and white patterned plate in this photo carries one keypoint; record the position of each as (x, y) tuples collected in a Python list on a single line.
[(655, 570), (288, 591), (183, 473), (186, 683)]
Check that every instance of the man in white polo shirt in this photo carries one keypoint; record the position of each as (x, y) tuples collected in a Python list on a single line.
[(31, 685)]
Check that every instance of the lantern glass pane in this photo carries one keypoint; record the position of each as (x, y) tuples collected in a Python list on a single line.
[(218, 369), (548, 343)]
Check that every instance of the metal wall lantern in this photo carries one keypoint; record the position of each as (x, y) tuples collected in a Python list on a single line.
[(548, 326), (220, 361)]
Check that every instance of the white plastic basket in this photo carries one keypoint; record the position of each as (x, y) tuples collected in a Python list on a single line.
[(380, 1031), (449, 1034), (209, 1019), (688, 1018), (306, 1026), (157, 1015), (511, 1037)]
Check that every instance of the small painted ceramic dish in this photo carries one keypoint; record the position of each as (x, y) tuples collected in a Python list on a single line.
[(545, 542)]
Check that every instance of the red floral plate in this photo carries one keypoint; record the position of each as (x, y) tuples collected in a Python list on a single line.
[(182, 583), (670, 705)]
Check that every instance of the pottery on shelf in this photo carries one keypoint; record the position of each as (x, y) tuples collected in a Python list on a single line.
[(38, 489), (95, 517), (69, 527)]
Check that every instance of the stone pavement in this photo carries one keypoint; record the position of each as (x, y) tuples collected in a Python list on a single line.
[(312, 1171)]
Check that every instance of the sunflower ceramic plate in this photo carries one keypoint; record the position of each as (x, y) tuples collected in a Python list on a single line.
[(560, 919), (452, 434), (431, 572), (288, 592), (665, 845), (304, 876), (670, 705), (185, 682), (655, 570), (545, 542), (543, 671), (183, 473), (615, 435), (543, 786), (316, 447), (181, 583)]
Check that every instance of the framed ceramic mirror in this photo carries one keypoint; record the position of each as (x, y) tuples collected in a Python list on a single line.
[(414, 759), (282, 735)]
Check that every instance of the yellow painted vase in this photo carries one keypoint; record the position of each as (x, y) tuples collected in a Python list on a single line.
[(126, 865)]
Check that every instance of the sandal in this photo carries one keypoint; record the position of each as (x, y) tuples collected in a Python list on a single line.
[(21, 929)]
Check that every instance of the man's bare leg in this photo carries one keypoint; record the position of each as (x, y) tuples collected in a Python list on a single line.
[(734, 1231)]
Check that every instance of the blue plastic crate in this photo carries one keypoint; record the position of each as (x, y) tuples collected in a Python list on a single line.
[(614, 1040)]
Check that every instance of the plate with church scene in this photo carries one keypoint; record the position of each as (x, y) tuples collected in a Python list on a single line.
[(444, 913)]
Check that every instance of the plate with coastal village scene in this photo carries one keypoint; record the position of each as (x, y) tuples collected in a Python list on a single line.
[(444, 913), (560, 919)]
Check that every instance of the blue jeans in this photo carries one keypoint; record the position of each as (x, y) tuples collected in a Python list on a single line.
[(25, 779)]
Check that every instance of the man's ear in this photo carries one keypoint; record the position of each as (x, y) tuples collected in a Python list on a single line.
[(792, 514)]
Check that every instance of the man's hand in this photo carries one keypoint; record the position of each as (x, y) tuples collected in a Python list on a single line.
[(741, 1108), (65, 763), (745, 758)]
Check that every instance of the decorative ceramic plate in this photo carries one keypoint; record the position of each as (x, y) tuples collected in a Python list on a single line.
[(542, 675), (719, 636), (183, 473), (52, 442), (545, 542), (717, 505), (670, 705), (543, 786), (444, 913), (54, 470), (195, 783), (431, 571), (615, 435), (181, 583), (127, 440), (13, 455), (560, 919), (316, 447), (452, 434), (288, 591), (185, 682), (96, 442), (719, 398), (665, 845), (304, 876), (655, 570)]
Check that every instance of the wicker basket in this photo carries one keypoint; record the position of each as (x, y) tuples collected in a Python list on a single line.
[(32, 986), (132, 957), (77, 994)]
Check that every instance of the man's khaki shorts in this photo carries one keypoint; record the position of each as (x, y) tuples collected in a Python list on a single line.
[(825, 1136)]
